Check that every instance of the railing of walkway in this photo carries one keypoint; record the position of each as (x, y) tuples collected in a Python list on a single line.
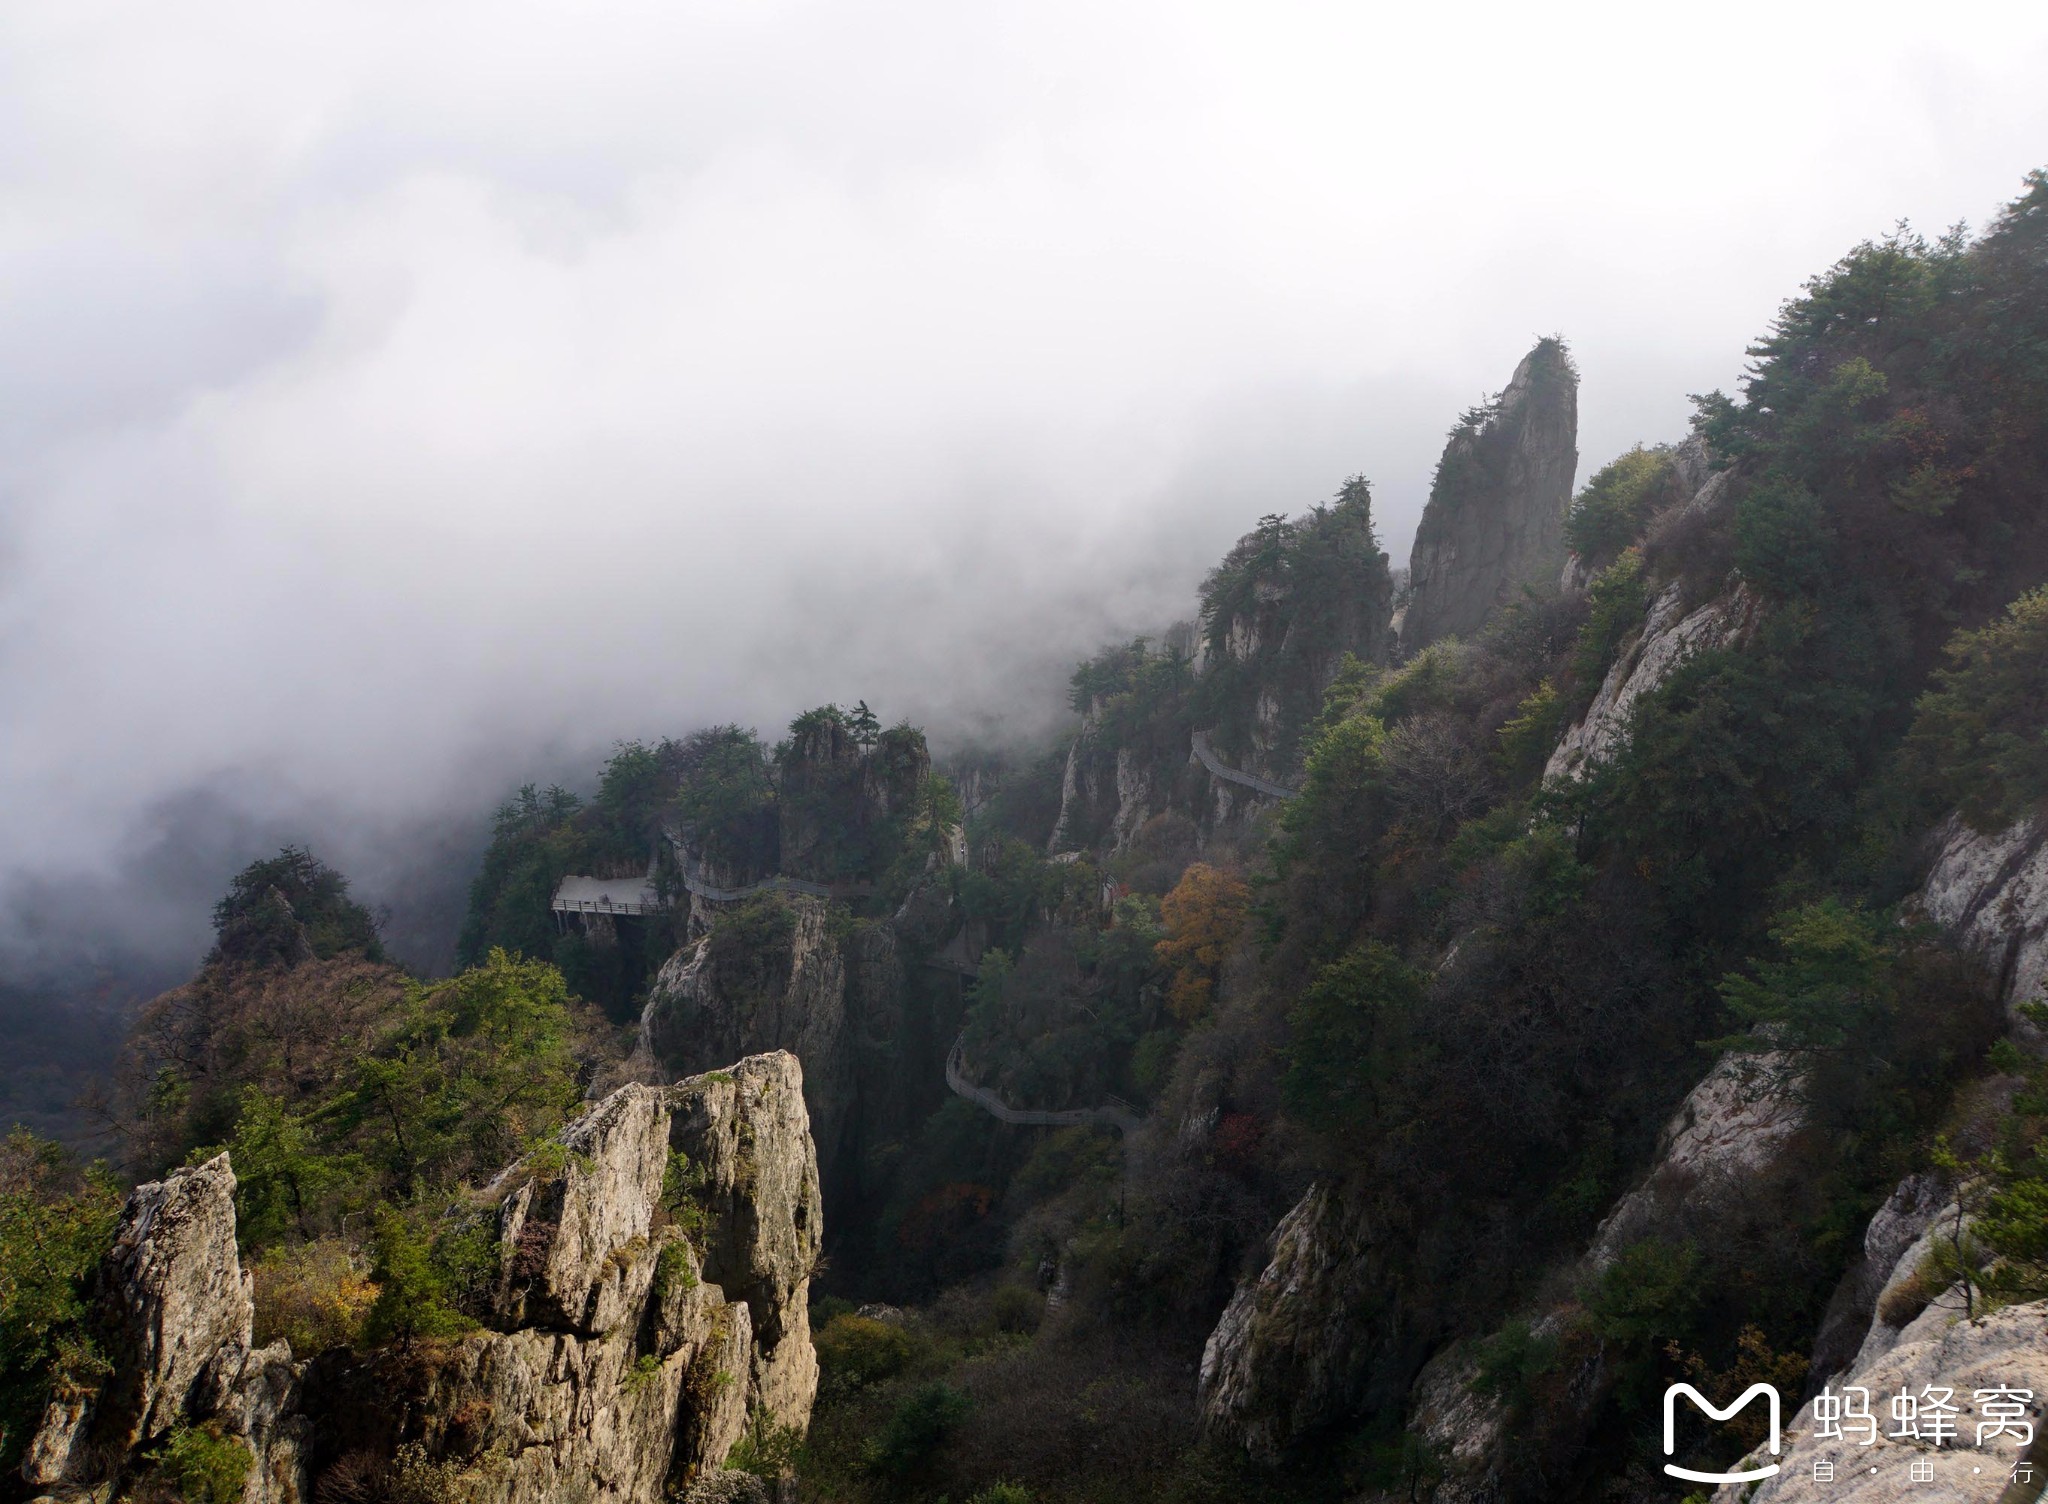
[(1228, 774)]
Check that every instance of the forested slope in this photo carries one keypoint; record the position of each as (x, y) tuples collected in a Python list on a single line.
[(1625, 981)]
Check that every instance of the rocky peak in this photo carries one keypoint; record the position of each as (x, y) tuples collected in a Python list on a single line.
[(1495, 517), (172, 1299), (625, 1353), (837, 794), (555, 1232), (739, 1127)]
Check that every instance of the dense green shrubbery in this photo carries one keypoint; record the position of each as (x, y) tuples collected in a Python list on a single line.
[(536, 839), (1612, 509), (55, 1222), (1350, 1038), (1616, 599), (856, 1351), (1980, 738), (725, 797), (918, 1428), (200, 1466), (288, 908)]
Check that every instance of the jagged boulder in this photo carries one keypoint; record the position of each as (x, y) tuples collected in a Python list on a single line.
[(1287, 1356), (746, 1130), (558, 1232), (1460, 1426), (1495, 517), (1857, 1316), (728, 1488), (627, 1350), (790, 975), (1731, 1130), (172, 1303)]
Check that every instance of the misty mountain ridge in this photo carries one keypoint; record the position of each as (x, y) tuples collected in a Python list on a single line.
[(1398, 1028)]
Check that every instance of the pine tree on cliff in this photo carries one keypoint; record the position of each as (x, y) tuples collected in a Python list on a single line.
[(1495, 519)]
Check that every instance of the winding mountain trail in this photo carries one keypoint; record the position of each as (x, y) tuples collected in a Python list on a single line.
[(1118, 1117)]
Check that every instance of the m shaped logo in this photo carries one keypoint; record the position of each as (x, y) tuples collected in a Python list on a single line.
[(1713, 1413)]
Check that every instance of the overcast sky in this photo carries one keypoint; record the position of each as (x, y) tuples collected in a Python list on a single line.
[(396, 397)]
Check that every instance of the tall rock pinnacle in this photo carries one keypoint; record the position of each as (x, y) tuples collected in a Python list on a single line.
[(1495, 519)]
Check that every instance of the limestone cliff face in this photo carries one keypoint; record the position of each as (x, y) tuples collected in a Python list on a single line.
[(1495, 517), (768, 1215), (782, 989), (1291, 1351), (1669, 635), (789, 978), (1109, 791), (621, 1359), (1991, 895), (1731, 1130), (1288, 1355), (1719, 1151), (1990, 892)]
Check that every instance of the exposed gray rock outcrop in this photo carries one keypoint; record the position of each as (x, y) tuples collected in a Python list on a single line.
[(1728, 1135), (1730, 1129), (768, 1215), (1109, 791), (1669, 635), (1855, 1319), (173, 1303), (1495, 518), (1460, 1426), (1990, 893), (834, 996), (786, 992), (1940, 1350), (1286, 1357), (626, 1349), (728, 1488)]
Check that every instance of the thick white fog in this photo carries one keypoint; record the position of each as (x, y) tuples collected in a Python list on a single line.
[(400, 400)]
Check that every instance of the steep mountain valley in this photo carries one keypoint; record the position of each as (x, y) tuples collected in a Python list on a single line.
[(1410, 1019)]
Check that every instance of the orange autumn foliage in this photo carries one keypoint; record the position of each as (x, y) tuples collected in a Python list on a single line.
[(1203, 915)]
